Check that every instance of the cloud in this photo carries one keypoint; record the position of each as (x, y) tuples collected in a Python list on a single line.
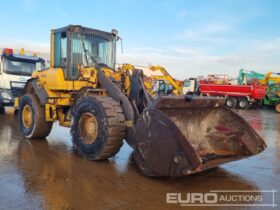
[(184, 62), (257, 55), (31, 46), (180, 62), (204, 31)]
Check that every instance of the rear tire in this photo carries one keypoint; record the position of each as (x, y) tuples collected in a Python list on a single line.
[(98, 127), (277, 107), (32, 119), (243, 103), (231, 102)]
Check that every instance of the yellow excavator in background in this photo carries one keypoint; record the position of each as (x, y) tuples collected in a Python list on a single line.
[(165, 84), (156, 85), (170, 135)]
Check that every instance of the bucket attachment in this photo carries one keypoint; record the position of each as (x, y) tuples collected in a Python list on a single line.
[(178, 136)]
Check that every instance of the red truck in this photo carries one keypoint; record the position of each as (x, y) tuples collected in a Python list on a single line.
[(240, 96)]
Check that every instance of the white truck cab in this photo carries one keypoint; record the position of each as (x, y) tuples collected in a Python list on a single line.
[(190, 86), (15, 70)]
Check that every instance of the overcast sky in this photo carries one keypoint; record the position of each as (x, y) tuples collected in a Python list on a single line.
[(189, 38)]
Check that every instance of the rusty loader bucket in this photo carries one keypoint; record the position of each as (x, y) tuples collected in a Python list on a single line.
[(178, 136)]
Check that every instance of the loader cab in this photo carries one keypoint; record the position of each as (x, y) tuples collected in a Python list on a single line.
[(74, 46)]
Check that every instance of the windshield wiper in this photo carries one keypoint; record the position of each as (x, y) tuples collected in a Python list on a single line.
[(87, 52)]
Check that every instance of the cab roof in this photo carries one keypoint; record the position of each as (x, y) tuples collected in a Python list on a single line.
[(82, 29)]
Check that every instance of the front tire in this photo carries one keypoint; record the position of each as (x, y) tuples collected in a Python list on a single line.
[(32, 119), (98, 127)]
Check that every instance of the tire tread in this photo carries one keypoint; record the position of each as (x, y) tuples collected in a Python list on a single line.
[(116, 129)]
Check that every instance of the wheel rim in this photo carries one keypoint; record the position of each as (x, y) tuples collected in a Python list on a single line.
[(242, 103), (229, 103), (88, 128), (27, 116)]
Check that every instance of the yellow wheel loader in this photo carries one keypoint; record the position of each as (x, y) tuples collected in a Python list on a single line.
[(171, 135)]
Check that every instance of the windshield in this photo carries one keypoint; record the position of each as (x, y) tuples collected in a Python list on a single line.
[(88, 49), (187, 83), (21, 67)]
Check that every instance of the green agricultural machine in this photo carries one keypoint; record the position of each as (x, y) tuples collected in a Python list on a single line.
[(272, 97), (271, 80)]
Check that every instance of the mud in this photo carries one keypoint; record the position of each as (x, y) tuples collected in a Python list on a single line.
[(47, 174)]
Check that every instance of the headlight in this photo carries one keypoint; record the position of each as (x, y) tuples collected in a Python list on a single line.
[(6, 95)]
